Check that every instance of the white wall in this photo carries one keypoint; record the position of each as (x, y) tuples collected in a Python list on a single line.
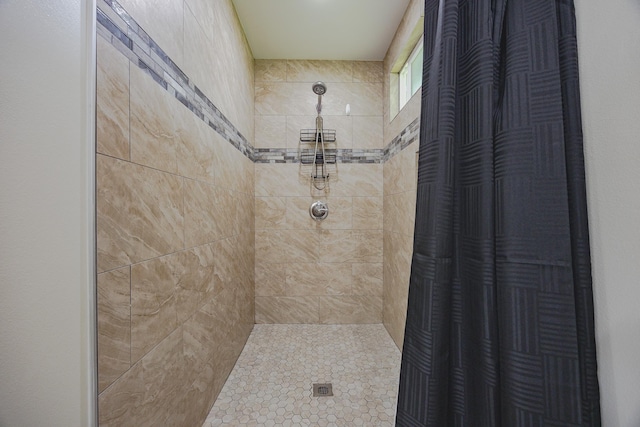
[(46, 209), (609, 54)]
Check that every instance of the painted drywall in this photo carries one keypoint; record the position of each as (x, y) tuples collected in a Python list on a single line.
[(608, 37), (46, 372)]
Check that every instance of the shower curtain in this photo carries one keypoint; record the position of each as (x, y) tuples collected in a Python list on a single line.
[(500, 328)]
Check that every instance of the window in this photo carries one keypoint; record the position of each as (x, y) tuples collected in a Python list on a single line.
[(410, 76)]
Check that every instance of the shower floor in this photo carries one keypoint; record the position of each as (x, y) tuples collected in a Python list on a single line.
[(271, 384)]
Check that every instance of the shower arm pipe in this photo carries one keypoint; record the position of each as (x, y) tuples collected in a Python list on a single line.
[(319, 141), (319, 106)]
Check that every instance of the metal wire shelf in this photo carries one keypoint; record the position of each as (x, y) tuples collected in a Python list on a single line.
[(310, 157), (311, 135)]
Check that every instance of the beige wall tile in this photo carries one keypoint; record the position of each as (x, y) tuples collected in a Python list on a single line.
[(400, 171), (195, 403), (246, 248), (153, 131), (271, 131), (311, 71), (196, 281), (350, 309), (392, 175), (313, 279), (246, 214), (233, 170), (298, 217), (399, 212), (342, 124), (139, 213), (367, 278), (317, 255), (164, 378), (368, 71), (199, 338), (357, 180), (281, 180), (409, 213), (367, 132), (114, 325), (367, 213), (367, 246), (268, 247), (299, 245), (291, 99), (202, 10), (153, 303), (335, 245), (195, 148), (407, 114), (286, 310), (365, 99), (296, 123), (283, 99), (149, 392), (209, 213), (227, 265), (112, 101), (248, 179), (270, 279), (163, 21), (121, 405), (271, 213), (241, 208), (187, 350), (199, 57), (270, 70), (397, 269), (233, 86)]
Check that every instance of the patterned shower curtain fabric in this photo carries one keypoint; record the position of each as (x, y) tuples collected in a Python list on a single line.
[(500, 328)]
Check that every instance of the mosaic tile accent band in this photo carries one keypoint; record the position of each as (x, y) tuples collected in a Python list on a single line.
[(292, 155), (116, 26), (122, 31), (403, 140)]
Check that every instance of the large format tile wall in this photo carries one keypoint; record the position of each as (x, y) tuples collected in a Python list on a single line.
[(400, 181), (175, 213), (307, 271)]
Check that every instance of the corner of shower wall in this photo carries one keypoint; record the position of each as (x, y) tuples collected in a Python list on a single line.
[(175, 208), (401, 139)]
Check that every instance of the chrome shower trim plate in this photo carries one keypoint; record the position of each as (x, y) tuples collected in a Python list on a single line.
[(318, 210)]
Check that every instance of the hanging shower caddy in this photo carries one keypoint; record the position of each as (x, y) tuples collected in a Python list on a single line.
[(318, 156)]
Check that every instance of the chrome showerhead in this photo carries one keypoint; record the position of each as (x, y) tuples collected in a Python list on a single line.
[(319, 88)]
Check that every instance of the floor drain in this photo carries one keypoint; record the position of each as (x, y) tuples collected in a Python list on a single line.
[(322, 390)]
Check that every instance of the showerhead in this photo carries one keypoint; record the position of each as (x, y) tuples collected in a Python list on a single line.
[(319, 88)]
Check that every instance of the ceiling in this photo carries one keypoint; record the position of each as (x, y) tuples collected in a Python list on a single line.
[(320, 29)]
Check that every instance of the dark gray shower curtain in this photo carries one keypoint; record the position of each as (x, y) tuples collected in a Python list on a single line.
[(500, 327)]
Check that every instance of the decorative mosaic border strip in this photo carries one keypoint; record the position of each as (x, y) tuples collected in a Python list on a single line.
[(403, 140), (122, 31), (292, 155), (116, 26)]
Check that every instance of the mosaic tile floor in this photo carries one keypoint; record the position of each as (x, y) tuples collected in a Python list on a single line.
[(271, 384)]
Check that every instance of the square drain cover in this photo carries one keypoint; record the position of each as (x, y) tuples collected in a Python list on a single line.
[(322, 390)]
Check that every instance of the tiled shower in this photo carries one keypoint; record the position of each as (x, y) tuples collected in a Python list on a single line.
[(202, 204)]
